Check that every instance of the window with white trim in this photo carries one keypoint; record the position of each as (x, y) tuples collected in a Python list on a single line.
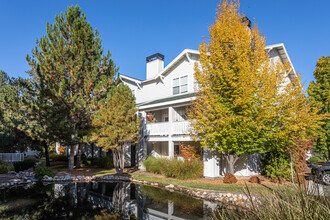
[(180, 85)]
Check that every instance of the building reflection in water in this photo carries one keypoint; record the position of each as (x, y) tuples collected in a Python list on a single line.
[(128, 199)]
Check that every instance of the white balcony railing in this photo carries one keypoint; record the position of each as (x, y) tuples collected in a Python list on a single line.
[(158, 128), (180, 127), (163, 128)]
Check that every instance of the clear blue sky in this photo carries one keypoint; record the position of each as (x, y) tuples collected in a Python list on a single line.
[(133, 30)]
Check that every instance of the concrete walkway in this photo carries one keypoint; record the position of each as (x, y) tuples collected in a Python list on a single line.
[(318, 189)]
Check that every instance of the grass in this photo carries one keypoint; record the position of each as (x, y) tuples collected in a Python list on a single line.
[(238, 188), (174, 168), (283, 203), (63, 167), (98, 172)]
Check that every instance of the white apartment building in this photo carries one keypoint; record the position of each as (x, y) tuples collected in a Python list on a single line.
[(163, 99)]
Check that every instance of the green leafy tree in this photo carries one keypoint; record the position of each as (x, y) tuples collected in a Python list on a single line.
[(12, 137), (116, 124), (72, 75), (319, 91), (244, 103)]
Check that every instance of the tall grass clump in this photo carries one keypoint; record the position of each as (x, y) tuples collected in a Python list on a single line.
[(184, 169), (155, 165), (181, 169), (282, 203)]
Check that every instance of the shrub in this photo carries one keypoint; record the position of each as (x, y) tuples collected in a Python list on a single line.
[(254, 179), (174, 168), (62, 149), (103, 162), (41, 171), (189, 152), (28, 163), (5, 168), (58, 157), (314, 159), (84, 160), (229, 178), (276, 166)]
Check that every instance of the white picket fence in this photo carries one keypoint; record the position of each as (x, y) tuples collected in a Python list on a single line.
[(12, 157)]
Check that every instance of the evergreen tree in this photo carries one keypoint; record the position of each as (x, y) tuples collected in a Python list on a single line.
[(319, 91), (12, 137), (116, 124), (72, 75), (244, 103), (41, 119)]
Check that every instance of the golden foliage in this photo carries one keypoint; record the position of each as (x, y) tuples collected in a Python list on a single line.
[(246, 102)]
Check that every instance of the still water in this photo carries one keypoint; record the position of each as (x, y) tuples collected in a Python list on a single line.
[(99, 200)]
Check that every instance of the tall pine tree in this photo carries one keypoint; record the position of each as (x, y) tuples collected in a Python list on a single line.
[(72, 75), (116, 124), (319, 91)]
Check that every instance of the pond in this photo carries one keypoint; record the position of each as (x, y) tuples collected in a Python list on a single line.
[(99, 200)]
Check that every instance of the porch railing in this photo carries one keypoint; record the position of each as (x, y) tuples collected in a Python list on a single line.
[(158, 128), (178, 127)]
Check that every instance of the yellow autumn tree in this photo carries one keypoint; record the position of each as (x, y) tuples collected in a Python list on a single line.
[(245, 102)]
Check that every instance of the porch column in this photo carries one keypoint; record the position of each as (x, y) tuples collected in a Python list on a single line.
[(171, 149), (211, 163), (170, 124)]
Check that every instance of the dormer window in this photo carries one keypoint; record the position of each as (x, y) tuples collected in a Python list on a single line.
[(180, 85)]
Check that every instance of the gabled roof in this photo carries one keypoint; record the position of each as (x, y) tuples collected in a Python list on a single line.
[(174, 62), (138, 82), (185, 53), (129, 78), (283, 55)]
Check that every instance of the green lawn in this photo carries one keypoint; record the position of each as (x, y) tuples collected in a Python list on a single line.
[(239, 188), (98, 172)]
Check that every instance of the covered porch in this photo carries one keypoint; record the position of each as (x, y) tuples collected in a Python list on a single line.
[(167, 149)]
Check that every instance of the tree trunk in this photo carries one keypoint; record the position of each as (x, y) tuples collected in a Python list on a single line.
[(46, 154), (79, 155), (231, 160), (92, 150), (71, 157), (118, 159)]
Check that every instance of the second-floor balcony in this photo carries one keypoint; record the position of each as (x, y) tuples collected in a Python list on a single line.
[(167, 128)]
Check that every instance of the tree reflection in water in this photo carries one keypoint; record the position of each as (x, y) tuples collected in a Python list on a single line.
[(99, 200)]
